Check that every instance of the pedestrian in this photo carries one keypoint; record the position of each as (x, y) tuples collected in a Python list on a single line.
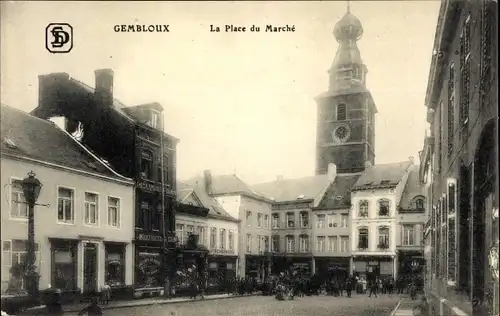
[(348, 286), (93, 308), (373, 288), (54, 307), (106, 293)]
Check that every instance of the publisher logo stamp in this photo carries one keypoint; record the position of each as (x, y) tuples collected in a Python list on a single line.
[(59, 38)]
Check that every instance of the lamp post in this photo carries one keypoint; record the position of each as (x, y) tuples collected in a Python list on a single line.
[(31, 189)]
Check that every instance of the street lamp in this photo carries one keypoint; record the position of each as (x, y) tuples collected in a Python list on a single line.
[(31, 189)]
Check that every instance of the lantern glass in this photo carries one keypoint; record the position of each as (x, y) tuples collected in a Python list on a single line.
[(31, 188)]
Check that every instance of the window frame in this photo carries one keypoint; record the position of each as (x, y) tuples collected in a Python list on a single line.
[(362, 212), (335, 242), (87, 211), (304, 220), (409, 233), (367, 245), (290, 215), (20, 202), (451, 267), (275, 241), (344, 240), (275, 219), (222, 239), (320, 243), (320, 220), (384, 241), (117, 210), (290, 243), (380, 203), (259, 220), (303, 243), (72, 199)]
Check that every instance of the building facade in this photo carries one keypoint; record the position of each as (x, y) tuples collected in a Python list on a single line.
[(346, 112), (460, 160), (292, 240), (375, 198), (131, 139), (84, 232)]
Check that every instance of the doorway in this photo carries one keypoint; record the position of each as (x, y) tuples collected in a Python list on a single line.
[(90, 268)]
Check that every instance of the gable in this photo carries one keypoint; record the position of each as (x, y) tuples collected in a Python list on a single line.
[(192, 199)]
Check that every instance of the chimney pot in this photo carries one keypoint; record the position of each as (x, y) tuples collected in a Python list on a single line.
[(332, 171), (207, 177), (104, 86)]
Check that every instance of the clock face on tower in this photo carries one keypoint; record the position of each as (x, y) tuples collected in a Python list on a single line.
[(341, 133)]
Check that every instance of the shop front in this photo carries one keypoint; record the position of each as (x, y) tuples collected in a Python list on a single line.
[(411, 263), (290, 263), (149, 263), (257, 267), (337, 267), (221, 270), (372, 267)]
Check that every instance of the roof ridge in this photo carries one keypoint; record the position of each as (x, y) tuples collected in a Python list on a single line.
[(29, 115)]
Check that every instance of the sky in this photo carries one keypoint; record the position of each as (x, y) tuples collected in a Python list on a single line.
[(240, 103)]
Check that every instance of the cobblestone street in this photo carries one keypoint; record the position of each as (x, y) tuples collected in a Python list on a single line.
[(267, 306)]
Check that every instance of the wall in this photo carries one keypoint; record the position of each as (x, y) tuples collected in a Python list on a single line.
[(229, 226), (417, 220), (327, 231), (231, 204), (46, 224), (250, 226), (184, 219), (284, 231)]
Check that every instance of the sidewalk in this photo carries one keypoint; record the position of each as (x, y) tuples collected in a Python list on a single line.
[(406, 305), (141, 302)]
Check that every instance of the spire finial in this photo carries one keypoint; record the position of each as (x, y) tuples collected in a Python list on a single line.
[(348, 6)]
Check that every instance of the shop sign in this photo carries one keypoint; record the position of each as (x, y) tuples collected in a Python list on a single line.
[(222, 251), (146, 237), (149, 266), (153, 187)]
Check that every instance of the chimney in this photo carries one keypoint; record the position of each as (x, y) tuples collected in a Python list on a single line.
[(279, 178), (103, 94), (207, 177), (368, 164), (332, 171), (412, 160)]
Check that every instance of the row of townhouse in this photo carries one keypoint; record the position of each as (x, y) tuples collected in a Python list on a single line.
[(460, 161)]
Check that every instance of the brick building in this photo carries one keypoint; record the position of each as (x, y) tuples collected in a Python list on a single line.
[(460, 159)]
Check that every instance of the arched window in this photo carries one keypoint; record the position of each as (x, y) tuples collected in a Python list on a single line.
[(363, 209), (341, 112), (304, 219), (363, 238), (383, 237), (418, 203), (383, 207)]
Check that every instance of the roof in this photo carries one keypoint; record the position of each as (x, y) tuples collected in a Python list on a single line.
[(31, 137), (382, 176), (215, 210), (412, 189), (307, 188), (338, 195), (226, 185)]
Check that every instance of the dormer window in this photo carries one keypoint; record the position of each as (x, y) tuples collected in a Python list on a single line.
[(154, 119)]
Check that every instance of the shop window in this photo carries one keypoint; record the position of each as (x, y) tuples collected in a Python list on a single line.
[(115, 265), (363, 209), (14, 254), (64, 263), (383, 207)]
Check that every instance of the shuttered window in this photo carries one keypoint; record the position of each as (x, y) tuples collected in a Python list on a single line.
[(451, 196)]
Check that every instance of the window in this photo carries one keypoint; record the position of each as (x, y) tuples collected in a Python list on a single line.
[(275, 245), (439, 143), (154, 119), (344, 243), (201, 235), (146, 164), (276, 221), (332, 243), (113, 212), (266, 221), (383, 238), (419, 204), (320, 223), (331, 221), (249, 218), (452, 227), (179, 233), (145, 215), (64, 260), (65, 205), (344, 220), (14, 255), (91, 209), (341, 112), (304, 219), (230, 241), (259, 220), (249, 243), (363, 209), (408, 235), (266, 243), (115, 265), (222, 238), (383, 207), (451, 108), (290, 243), (290, 220), (320, 244), (363, 238), (213, 237), (304, 243), (465, 72), (18, 206)]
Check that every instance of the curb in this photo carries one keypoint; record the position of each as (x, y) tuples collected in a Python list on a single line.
[(164, 302), (395, 310)]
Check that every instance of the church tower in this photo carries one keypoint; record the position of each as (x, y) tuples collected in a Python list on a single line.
[(345, 132)]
